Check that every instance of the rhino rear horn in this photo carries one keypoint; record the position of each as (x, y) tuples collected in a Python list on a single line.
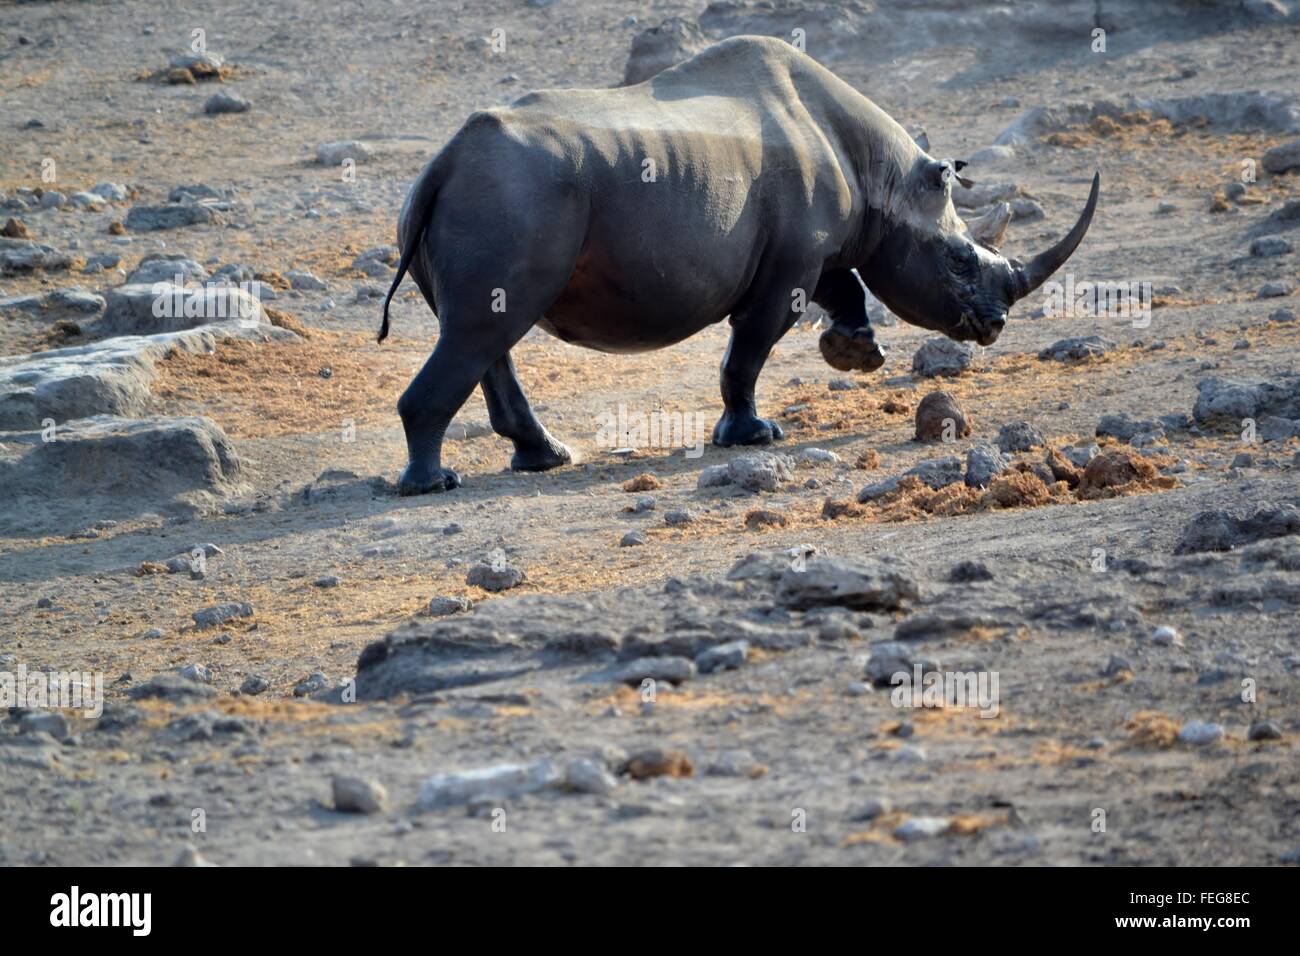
[(1039, 268), (989, 229)]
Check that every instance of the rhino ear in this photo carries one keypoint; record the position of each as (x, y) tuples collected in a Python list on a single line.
[(922, 140), (938, 174), (959, 164)]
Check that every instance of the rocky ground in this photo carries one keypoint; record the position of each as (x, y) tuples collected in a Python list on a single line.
[(652, 656)]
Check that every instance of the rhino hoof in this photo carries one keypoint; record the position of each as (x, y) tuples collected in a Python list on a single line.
[(541, 457), (850, 351), (735, 430), (420, 480)]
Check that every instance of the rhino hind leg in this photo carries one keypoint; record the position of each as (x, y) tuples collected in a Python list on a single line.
[(512, 417), (850, 343)]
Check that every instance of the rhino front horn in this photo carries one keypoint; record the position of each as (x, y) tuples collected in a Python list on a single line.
[(1037, 270)]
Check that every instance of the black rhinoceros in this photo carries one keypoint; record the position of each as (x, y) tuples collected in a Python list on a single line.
[(738, 183)]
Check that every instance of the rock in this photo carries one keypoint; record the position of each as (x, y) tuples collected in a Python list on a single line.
[(171, 269), (866, 585), (1223, 402), (984, 194), (659, 762), (1266, 11), (678, 518), (170, 216), (965, 572), (1024, 209), (314, 684), (891, 657), (24, 255), (736, 763), (443, 606), (940, 418), (632, 539), (760, 472), (16, 229), (304, 280), (377, 262), (53, 199), (1266, 246), (585, 775), (113, 192), (658, 48), (326, 581), (127, 461), (1259, 730), (1199, 733), (1019, 436), (85, 200), (196, 672), (141, 309), (1274, 290), (499, 577), (171, 687), (200, 65), (727, 656), (871, 810), (1166, 636), (1222, 531), (714, 476), (922, 828), (1116, 666), (254, 685), (938, 472), (841, 385), (189, 856), (1124, 428), (1282, 158), (219, 614), (44, 721), (674, 670), (500, 782), (942, 356), (332, 154), (359, 795), (818, 456), (1076, 349), (70, 303), (226, 103), (877, 490), (465, 430), (983, 464)]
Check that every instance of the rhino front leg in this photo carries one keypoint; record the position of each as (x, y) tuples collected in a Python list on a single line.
[(849, 344), (755, 329), (512, 417)]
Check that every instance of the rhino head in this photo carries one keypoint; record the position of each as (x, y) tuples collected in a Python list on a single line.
[(931, 272)]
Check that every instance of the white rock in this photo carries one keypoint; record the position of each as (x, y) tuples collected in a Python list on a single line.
[(503, 781)]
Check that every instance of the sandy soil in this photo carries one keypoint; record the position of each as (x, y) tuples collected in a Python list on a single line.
[(402, 77)]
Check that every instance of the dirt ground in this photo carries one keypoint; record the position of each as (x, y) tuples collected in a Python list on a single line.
[(831, 771)]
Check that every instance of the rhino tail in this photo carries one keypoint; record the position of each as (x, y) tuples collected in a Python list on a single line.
[(418, 209)]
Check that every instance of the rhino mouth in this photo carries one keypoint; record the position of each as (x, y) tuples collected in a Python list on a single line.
[(984, 330)]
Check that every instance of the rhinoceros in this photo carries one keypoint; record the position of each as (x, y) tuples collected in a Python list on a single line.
[(739, 183)]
